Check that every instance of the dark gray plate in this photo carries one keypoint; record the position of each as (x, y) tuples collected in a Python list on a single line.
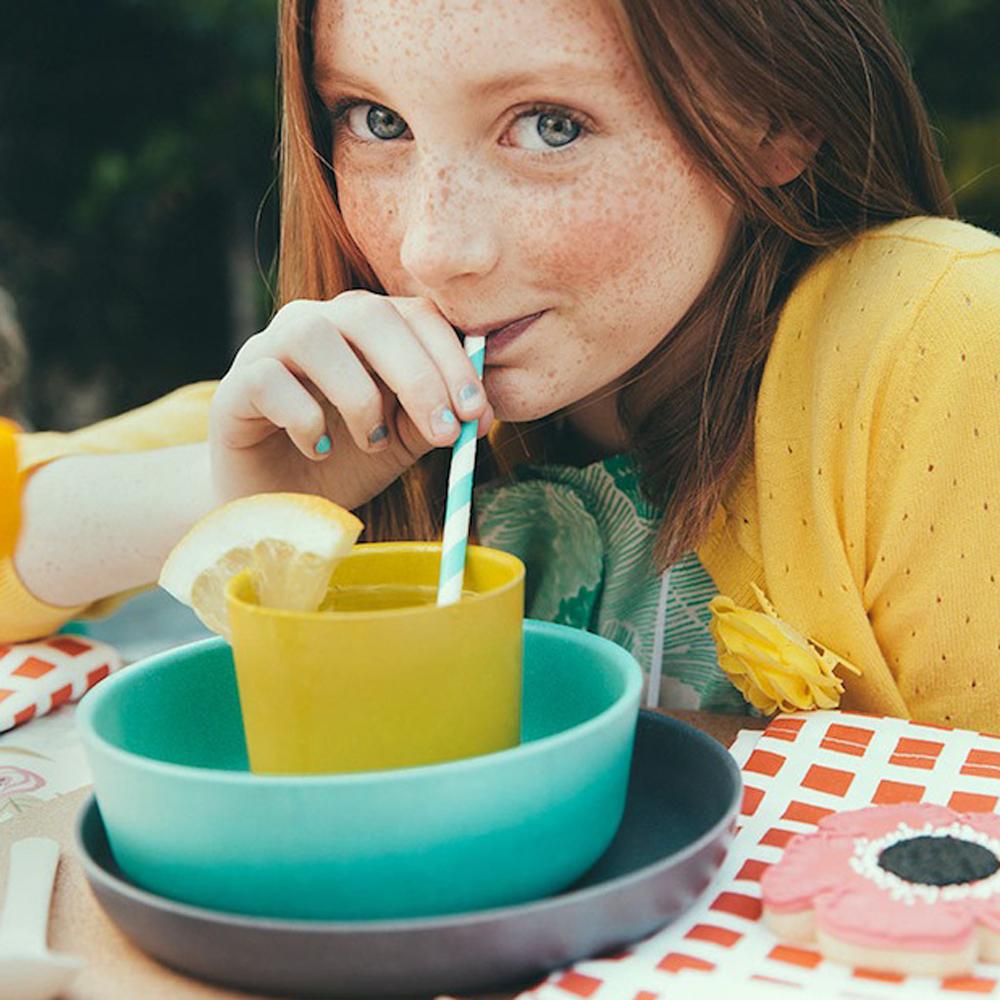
[(684, 793)]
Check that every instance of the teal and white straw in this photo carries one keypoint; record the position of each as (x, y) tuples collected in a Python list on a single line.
[(459, 504)]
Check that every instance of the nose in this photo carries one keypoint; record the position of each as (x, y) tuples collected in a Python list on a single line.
[(451, 228)]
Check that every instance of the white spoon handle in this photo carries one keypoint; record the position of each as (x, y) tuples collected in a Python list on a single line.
[(25, 917)]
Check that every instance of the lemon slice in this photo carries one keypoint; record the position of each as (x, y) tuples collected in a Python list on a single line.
[(290, 542)]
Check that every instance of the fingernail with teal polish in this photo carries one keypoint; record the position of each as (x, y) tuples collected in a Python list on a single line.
[(444, 420), (323, 445), (469, 393), (378, 435)]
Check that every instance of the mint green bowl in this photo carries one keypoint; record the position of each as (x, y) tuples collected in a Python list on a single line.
[(186, 819)]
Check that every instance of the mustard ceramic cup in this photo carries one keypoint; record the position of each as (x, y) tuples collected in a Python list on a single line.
[(381, 677)]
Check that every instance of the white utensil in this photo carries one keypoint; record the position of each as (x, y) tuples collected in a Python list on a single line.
[(28, 970)]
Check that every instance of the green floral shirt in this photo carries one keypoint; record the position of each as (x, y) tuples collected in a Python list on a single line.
[(586, 538)]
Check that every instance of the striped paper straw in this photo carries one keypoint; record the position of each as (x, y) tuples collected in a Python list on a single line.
[(459, 503)]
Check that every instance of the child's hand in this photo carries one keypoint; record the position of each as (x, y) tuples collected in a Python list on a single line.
[(386, 379)]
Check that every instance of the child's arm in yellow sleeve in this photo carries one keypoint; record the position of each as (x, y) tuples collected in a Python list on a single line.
[(99, 510), (96, 525)]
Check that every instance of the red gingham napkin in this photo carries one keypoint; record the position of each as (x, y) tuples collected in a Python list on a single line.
[(802, 768), (37, 677)]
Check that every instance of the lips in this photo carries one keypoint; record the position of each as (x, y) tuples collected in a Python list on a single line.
[(493, 329), (499, 340)]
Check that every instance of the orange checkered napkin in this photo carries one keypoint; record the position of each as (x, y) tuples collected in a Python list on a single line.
[(37, 677), (802, 768)]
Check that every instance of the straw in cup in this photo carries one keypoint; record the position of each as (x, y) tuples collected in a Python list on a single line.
[(459, 503)]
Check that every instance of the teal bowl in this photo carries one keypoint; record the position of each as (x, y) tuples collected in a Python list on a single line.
[(187, 820)]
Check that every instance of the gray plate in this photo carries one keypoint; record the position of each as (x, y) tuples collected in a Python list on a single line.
[(683, 796)]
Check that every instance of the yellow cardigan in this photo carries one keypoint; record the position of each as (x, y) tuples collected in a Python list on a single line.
[(870, 513)]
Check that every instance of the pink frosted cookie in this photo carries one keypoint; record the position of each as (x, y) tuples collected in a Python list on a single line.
[(913, 889)]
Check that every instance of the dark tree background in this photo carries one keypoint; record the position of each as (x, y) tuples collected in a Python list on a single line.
[(137, 214), (136, 142)]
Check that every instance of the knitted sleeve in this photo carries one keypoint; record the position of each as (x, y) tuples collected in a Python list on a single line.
[(932, 586), (178, 418), (875, 513)]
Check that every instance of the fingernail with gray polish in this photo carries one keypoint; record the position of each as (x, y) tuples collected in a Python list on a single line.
[(378, 435), (470, 393)]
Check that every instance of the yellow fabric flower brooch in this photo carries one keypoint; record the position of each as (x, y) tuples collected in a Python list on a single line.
[(773, 666)]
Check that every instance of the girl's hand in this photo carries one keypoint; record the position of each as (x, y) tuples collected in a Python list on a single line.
[(384, 379)]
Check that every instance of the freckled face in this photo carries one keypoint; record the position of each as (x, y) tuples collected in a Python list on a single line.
[(505, 159)]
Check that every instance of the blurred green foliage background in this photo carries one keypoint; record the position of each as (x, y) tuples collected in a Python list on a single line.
[(137, 210)]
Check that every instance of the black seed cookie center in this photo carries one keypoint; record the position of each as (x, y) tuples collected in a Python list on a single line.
[(938, 861)]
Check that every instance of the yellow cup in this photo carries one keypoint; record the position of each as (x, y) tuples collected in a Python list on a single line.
[(357, 690)]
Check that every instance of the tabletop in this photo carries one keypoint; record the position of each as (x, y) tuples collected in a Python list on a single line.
[(115, 969), (44, 780)]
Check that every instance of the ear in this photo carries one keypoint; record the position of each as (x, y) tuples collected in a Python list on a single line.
[(782, 154)]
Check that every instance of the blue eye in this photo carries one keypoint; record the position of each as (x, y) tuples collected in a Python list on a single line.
[(384, 124), (545, 129), (557, 130), (368, 122)]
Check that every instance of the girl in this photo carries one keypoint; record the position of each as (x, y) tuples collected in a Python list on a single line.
[(734, 339)]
